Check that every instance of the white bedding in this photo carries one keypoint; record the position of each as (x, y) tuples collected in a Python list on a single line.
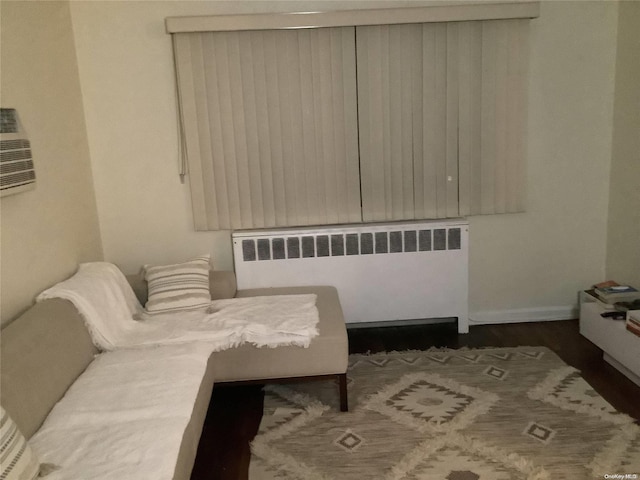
[(125, 416), (108, 306)]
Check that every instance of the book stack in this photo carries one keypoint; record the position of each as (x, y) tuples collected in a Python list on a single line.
[(633, 322), (611, 293)]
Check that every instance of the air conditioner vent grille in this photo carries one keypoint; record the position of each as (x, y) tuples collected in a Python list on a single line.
[(12, 167), (17, 179), (17, 172)]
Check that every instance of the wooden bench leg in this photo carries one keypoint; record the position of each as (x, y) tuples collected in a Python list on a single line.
[(344, 401)]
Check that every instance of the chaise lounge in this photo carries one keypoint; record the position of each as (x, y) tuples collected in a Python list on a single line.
[(326, 357)]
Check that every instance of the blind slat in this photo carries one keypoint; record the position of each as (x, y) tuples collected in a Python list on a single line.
[(450, 175), (470, 65)]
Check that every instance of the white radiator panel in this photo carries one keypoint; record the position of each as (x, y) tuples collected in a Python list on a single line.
[(383, 272)]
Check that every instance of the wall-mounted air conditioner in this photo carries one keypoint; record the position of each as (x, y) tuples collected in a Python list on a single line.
[(16, 164)]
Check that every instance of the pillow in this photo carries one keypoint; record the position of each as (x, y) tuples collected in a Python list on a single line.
[(178, 287), (18, 460)]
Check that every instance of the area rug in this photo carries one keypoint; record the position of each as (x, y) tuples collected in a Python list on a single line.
[(495, 414)]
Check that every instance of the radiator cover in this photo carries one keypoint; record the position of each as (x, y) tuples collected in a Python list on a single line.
[(383, 272)]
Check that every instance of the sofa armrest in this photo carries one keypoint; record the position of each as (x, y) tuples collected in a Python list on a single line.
[(222, 284)]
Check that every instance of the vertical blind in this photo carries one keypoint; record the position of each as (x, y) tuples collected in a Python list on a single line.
[(349, 124), (442, 118), (269, 121)]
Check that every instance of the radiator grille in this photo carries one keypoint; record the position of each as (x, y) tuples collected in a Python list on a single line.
[(382, 271), (365, 243)]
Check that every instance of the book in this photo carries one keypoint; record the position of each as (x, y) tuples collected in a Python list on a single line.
[(617, 293), (633, 322), (625, 306), (602, 304)]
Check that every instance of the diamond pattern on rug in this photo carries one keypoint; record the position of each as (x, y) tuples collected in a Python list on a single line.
[(409, 360), (502, 355), (426, 401), (536, 355), (378, 362), (539, 432), (429, 401), (349, 441), (470, 357), (495, 372), (442, 358)]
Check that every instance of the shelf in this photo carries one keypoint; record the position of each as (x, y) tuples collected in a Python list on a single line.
[(617, 343)]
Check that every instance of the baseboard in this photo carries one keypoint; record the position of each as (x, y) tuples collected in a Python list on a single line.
[(519, 315)]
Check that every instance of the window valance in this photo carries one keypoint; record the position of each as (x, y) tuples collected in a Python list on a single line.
[(443, 12)]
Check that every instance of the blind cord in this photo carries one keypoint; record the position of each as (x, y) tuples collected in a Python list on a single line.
[(182, 151)]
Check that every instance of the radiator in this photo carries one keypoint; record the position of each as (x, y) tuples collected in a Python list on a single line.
[(383, 272)]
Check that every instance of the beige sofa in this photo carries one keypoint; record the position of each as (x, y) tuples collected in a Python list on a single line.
[(46, 349)]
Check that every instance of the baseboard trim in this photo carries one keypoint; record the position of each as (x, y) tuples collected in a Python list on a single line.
[(520, 315)]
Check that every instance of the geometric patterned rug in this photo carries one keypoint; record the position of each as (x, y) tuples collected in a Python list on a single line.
[(495, 414)]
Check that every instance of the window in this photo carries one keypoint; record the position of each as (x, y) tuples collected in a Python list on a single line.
[(355, 121)]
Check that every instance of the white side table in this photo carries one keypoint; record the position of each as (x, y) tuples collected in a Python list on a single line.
[(620, 347)]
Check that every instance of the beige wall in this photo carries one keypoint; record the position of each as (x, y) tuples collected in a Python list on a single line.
[(126, 70), (46, 231), (540, 259), (525, 264), (623, 243)]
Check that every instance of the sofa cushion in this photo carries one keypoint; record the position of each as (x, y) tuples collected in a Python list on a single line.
[(179, 286), (130, 415), (18, 460), (44, 350)]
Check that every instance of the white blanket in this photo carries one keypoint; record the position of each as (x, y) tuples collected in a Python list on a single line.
[(108, 305), (124, 418)]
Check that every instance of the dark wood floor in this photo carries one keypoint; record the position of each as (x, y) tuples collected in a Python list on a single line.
[(235, 412)]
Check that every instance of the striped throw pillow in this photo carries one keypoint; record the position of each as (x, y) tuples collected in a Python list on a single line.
[(18, 462), (178, 287)]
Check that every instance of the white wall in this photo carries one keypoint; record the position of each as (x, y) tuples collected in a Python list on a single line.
[(526, 264), (623, 243), (46, 232)]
